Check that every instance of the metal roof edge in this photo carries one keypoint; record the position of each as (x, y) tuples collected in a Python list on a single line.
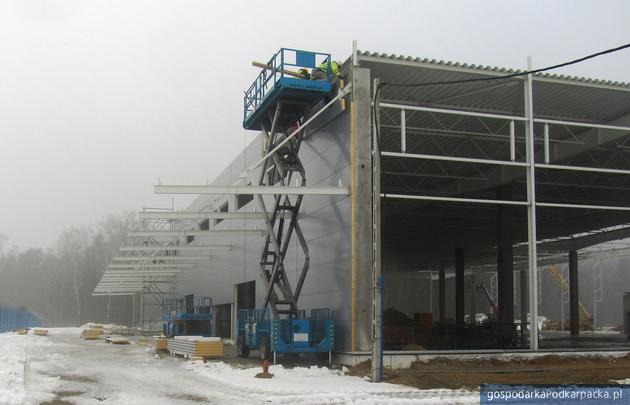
[(490, 70)]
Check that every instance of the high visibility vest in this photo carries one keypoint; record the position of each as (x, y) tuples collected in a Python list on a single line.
[(334, 68)]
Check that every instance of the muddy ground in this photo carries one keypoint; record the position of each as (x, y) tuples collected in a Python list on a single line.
[(550, 369)]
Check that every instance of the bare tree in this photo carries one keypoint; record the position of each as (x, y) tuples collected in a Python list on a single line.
[(73, 245)]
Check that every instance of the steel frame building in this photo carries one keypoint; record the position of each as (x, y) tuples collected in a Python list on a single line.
[(496, 178)]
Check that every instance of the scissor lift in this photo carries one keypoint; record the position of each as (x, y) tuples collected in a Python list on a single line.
[(277, 104), (188, 315)]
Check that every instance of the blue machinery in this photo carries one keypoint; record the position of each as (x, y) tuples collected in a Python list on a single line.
[(275, 86), (188, 315), (13, 318), (277, 104), (291, 335)]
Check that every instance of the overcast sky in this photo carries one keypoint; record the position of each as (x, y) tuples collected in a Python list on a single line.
[(100, 99)]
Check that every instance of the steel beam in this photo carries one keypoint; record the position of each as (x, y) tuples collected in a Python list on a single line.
[(200, 215), (452, 199), (455, 112), (112, 294), (584, 206), (453, 159), (150, 266), (583, 124), (581, 242), (155, 258), (251, 190), (162, 248), (217, 232)]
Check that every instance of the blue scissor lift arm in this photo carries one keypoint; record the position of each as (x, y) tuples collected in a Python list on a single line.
[(275, 104)]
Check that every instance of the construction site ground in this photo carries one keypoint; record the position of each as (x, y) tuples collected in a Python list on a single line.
[(469, 372), (62, 368)]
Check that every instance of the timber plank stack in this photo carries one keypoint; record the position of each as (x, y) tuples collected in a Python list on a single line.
[(160, 343), (195, 346), (91, 333)]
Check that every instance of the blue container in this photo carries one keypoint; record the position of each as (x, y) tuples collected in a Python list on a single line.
[(13, 318)]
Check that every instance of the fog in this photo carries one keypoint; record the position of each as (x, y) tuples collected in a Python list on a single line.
[(101, 99)]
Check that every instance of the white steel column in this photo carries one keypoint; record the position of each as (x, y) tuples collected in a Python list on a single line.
[(377, 338), (531, 214), (403, 131)]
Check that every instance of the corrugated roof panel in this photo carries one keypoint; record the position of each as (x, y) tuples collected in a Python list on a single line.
[(598, 101)]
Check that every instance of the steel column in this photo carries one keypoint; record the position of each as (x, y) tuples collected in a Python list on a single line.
[(574, 300), (442, 294), (459, 288), (377, 338), (531, 212), (505, 266)]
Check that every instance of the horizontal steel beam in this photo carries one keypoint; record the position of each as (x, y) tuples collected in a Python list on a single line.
[(452, 199), (252, 190), (581, 242), (143, 273), (218, 232), (113, 294), (455, 112), (453, 159), (584, 206), (164, 278), (200, 215), (582, 124), (162, 248), (150, 266), (582, 169), (158, 258)]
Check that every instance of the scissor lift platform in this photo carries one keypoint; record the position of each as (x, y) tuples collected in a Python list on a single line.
[(274, 85), (188, 315)]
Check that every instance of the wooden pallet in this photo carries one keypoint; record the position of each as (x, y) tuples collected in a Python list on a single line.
[(195, 346)]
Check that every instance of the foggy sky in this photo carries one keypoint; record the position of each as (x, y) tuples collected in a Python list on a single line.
[(100, 99)]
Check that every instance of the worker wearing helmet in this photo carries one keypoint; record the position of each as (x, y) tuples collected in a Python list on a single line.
[(305, 74), (321, 71)]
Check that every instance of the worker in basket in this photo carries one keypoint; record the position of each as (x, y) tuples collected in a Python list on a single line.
[(320, 72), (305, 74)]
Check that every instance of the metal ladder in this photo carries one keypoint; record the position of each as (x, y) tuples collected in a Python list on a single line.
[(282, 220)]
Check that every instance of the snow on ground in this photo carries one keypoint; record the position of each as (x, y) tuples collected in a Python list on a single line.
[(18, 385), (321, 385), (62, 366)]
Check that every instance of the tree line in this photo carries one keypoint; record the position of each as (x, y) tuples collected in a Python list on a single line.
[(57, 283)]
